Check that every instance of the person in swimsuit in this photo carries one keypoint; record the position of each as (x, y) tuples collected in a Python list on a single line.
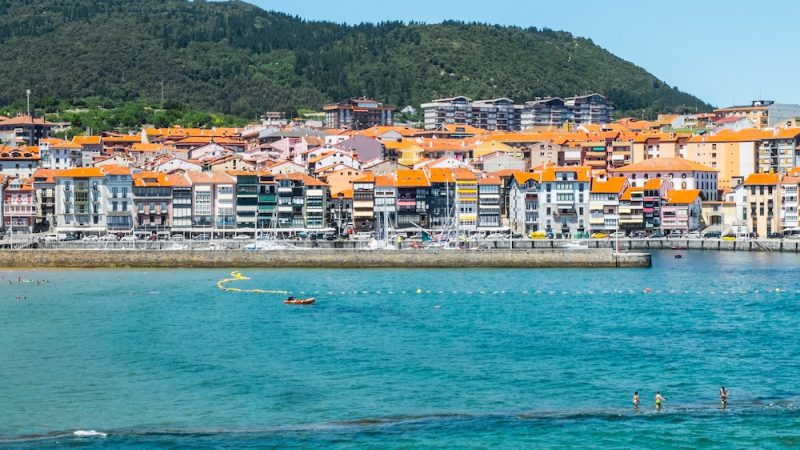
[(636, 400), (723, 396), (659, 399)]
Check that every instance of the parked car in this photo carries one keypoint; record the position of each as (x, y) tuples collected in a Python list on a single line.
[(713, 235), (537, 235), (128, 238), (793, 236), (90, 238), (242, 237), (201, 237), (617, 235), (108, 237), (656, 235), (639, 234), (674, 234), (69, 237), (177, 237), (693, 235), (775, 236), (599, 236), (50, 238), (728, 238), (329, 236)]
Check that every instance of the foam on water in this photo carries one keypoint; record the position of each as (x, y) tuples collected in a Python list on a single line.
[(89, 433)]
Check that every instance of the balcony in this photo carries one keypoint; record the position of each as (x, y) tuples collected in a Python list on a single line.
[(267, 198)]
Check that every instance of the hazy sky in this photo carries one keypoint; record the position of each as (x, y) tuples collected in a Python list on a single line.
[(723, 51)]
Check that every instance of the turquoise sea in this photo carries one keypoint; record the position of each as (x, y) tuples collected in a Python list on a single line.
[(478, 358)]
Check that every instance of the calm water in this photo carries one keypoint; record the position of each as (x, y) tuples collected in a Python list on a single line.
[(479, 358)]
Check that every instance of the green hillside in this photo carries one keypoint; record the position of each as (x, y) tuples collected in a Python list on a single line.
[(235, 58)]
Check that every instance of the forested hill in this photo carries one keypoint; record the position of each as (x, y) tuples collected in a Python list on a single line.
[(236, 58)]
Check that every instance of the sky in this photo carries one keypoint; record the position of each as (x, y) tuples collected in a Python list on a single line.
[(723, 51)]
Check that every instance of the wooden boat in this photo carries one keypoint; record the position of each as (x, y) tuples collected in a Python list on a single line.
[(299, 301)]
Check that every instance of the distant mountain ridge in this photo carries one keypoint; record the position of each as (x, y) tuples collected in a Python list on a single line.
[(236, 58)]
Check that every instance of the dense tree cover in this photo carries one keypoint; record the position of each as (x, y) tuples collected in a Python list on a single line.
[(238, 59), (93, 115)]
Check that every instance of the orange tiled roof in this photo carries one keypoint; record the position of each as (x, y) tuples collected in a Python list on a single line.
[(653, 183), (490, 181), (411, 178), (464, 174), (610, 186), (150, 179), (44, 175), (762, 179), (684, 197), (141, 147), (26, 120), (582, 173), (627, 194), (116, 170), (80, 172), (440, 175), (524, 177), (385, 181), (86, 140)]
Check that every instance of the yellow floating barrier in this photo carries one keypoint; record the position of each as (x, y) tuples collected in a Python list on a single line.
[(237, 276)]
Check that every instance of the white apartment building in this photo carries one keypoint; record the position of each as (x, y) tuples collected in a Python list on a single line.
[(564, 200)]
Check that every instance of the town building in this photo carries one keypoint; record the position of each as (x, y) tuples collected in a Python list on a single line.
[(59, 154), (681, 211), (545, 112), (604, 204), (762, 203), (523, 203), (19, 206), (44, 185), (302, 202), (81, 200), (591, 108), (119, 198), (19, 162), (682, 173), (152, 200), (357, 114), (779, 150), (364, 203), (489, 218), (762, 113), (412, 188), (27, 129), (182, 202), (564, 200), (247, 185)]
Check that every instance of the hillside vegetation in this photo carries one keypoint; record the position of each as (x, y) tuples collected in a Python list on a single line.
[(235, 58)]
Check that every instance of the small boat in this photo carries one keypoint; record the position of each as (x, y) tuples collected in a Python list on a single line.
[(678, 256), (299, 301)]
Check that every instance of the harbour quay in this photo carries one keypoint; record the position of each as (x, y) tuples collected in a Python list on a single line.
[(324, 258)]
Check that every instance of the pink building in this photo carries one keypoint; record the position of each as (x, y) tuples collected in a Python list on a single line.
[(19, 206)]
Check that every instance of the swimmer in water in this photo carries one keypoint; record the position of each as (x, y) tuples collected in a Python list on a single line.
[(636, 400), (659, 399), (723, 396)]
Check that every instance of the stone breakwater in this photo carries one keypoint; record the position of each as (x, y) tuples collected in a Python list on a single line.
[(540, 258)]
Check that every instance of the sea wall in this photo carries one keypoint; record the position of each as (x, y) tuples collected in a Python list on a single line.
[(540, 258)]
